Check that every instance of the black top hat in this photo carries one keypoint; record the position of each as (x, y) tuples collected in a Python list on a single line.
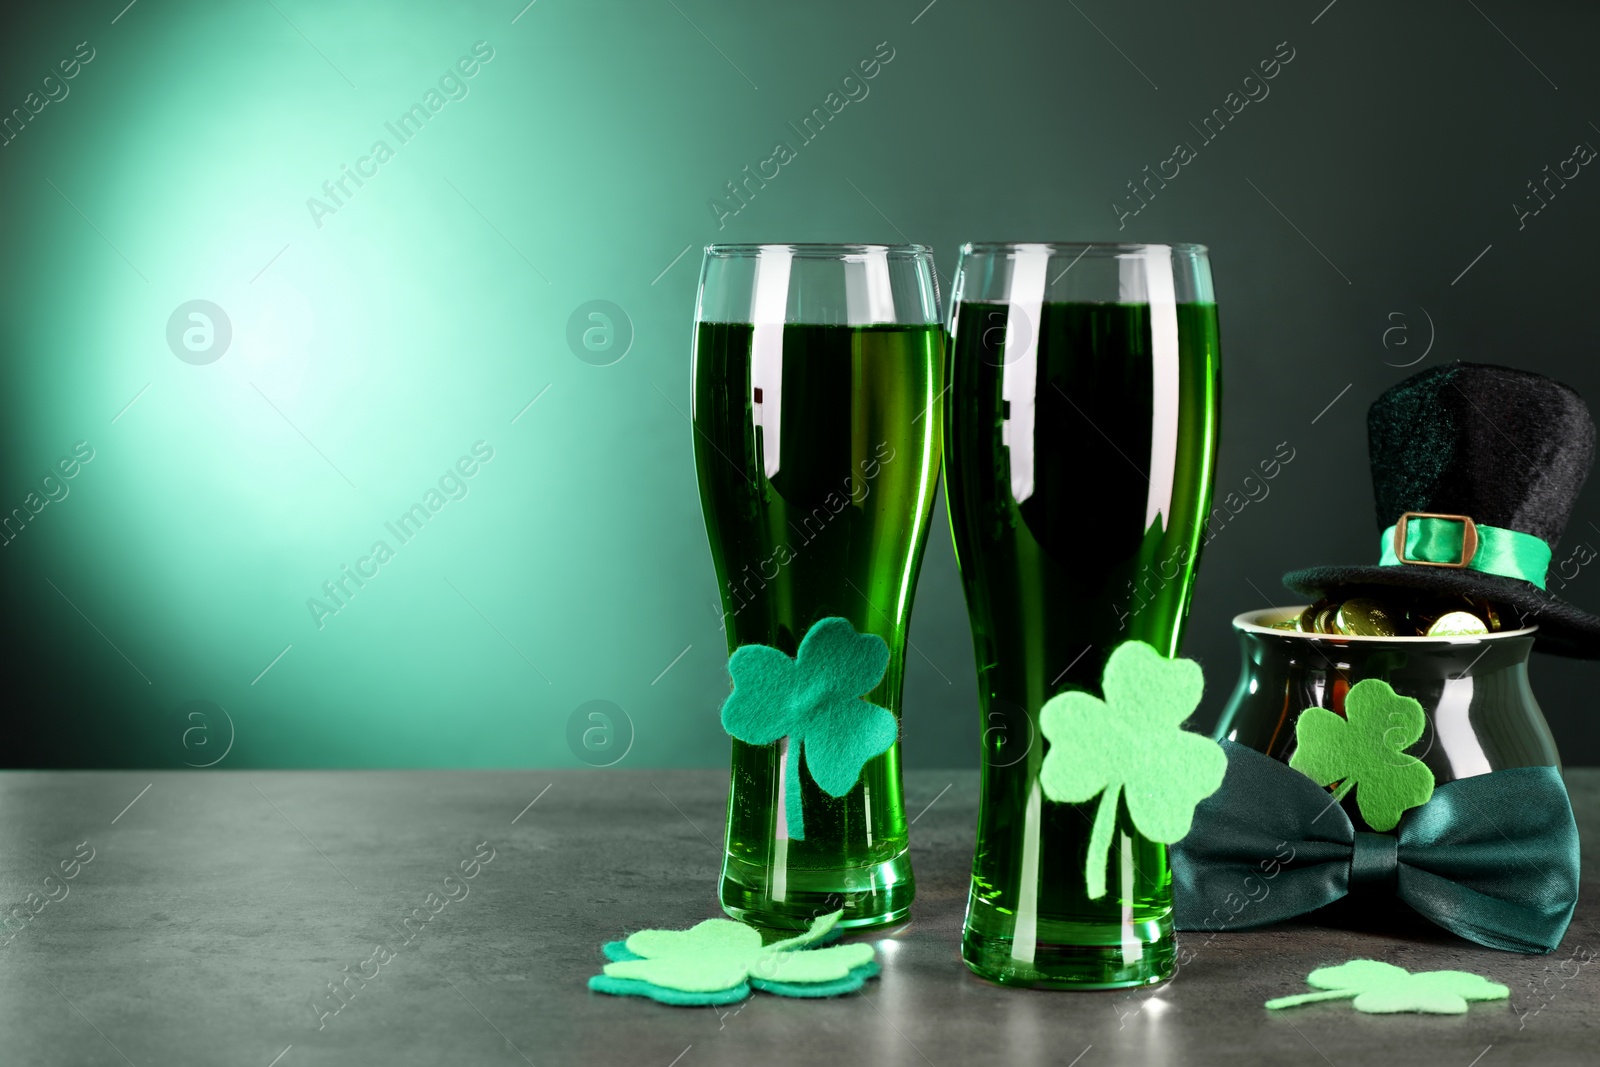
[(1475, 469)]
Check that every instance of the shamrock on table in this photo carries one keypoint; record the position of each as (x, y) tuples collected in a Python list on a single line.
[(815, 701), (1365, 751), (719, 960), (1384, 988), (1132, 743)]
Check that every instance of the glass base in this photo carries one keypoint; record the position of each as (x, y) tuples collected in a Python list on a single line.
[(1077, 957), (790, 898)]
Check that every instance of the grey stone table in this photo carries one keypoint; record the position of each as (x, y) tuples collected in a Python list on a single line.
[(208, 912)]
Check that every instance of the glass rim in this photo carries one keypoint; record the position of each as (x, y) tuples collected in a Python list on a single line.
[(734, 250), (1083, 248), (1258, 622)]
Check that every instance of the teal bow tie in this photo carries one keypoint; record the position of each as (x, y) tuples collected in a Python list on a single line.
[(1493, 858)]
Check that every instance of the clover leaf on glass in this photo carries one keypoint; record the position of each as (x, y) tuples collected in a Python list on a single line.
[(1383, 988), (1364, 751), (1131, 744), (814, 700), (720, 960)]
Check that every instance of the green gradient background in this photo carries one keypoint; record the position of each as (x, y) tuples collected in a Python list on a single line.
[(416, 321)]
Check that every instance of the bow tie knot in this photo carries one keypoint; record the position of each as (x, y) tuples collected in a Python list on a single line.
[(1374, 862)]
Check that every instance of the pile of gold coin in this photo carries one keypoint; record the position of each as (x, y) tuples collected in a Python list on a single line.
[(1399, 615)]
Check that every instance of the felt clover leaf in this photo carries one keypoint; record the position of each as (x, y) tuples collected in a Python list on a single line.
[(1382, 988), (719, 961), (1131, 743), (815, 701), (1365, 751)]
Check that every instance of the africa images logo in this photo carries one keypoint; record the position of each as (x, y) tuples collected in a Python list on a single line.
[(855, 89), (452, 86), (55, 90), (452, 485)]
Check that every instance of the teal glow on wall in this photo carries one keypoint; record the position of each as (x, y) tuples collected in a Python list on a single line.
[(535, 160)]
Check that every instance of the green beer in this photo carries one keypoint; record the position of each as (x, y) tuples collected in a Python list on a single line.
[(1113, 407), (831, 524)]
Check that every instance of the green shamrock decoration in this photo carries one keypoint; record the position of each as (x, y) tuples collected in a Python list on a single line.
[(815, 701), (1131, 744), (1365, 751), (719, 961), (1383, 988)]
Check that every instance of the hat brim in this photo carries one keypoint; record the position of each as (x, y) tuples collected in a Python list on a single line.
[(1564, 630)]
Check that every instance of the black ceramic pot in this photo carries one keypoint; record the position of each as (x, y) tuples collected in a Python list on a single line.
[(1481, 712)]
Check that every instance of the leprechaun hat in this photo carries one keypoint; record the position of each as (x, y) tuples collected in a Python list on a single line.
[(1475, 469)]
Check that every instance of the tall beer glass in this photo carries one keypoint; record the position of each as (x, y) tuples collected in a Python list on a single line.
[(1082, 432), (818, 371)]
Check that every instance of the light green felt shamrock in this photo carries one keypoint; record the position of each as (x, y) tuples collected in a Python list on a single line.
[(1383, 988), (815, 701), (1365, 751), (1131, 743), (722, 956)]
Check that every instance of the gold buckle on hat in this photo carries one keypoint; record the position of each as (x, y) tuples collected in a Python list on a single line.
[(1469, 539)]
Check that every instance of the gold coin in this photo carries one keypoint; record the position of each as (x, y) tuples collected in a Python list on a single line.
[(1457, 624), (1287, 624), (1325, 620), (1360, 617), (1486, 611), (1307, 622)]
